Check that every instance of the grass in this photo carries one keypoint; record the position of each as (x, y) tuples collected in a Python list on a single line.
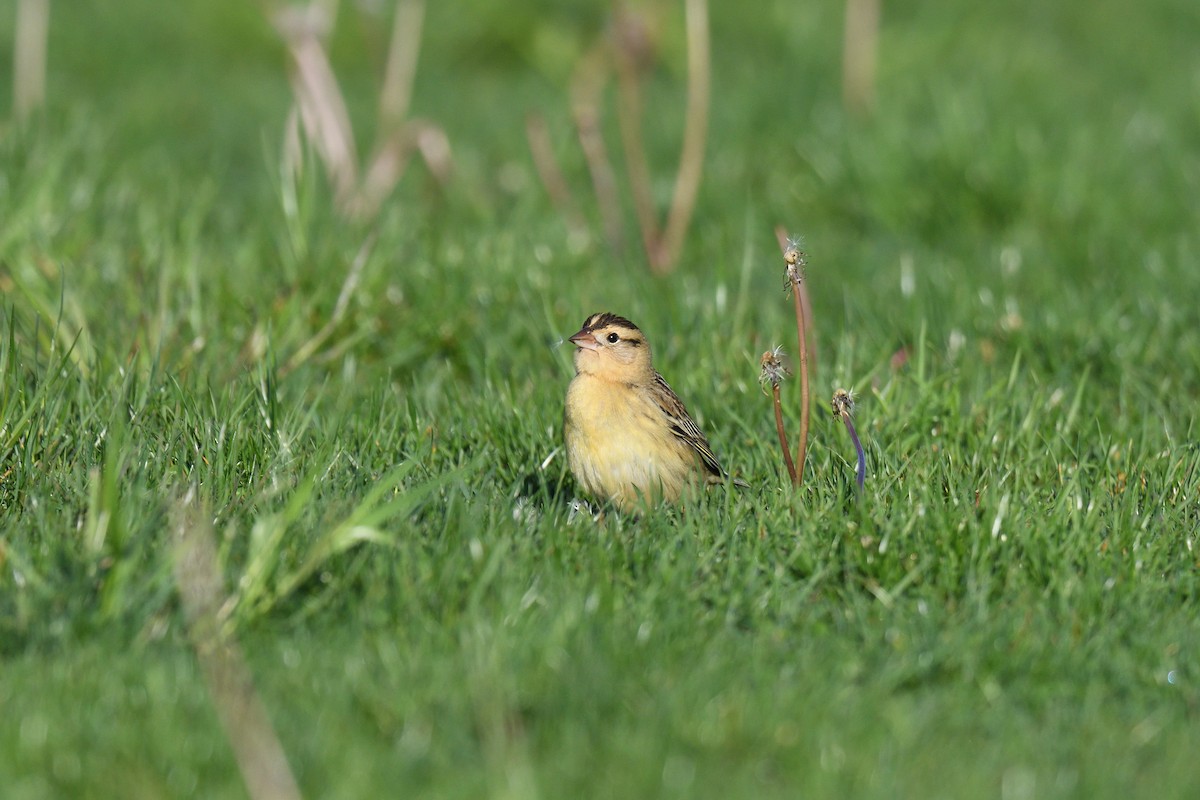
[(1009, 610)]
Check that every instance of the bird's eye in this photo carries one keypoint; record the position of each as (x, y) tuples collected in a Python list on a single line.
[(613, 338)]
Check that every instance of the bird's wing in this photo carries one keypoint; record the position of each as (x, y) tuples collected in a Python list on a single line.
[(683, 426)]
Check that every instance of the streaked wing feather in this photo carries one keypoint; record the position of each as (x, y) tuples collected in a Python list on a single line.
[(683, 426)]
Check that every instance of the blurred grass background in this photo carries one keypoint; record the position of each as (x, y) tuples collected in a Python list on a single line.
[(1010, 611)]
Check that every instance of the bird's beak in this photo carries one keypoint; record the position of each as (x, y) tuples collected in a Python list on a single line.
[(584, 340)]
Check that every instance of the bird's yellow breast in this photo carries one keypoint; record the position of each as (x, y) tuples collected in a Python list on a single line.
[(620, 445)]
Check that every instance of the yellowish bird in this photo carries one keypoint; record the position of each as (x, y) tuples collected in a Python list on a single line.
[(629, 438)]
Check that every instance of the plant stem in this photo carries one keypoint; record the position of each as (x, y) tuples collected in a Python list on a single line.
[(860, 475), (586, 90), (783, 443), (843, 408), (804, 399), (538, 135), (784, 244), (860, 53), (629, 119), (29, 57), (691, 156)]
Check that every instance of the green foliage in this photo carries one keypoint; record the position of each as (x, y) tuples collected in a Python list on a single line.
[(1003, 265)]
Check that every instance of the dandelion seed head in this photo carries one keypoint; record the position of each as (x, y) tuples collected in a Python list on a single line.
[(796, 260), (773, 370), (842, 403), (793, 251)]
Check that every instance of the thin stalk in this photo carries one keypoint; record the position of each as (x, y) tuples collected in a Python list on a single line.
[(551, 175), (691, 157), (259, 755), (843, 408), (860, 53), (860, 475), (794, 258), (29, 56), (813, 355), (401, 69), (586, 90), (637, 167), (783, 444), (773, 372)]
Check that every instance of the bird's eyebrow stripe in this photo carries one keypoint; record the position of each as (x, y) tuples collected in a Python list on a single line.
[(606, 319)]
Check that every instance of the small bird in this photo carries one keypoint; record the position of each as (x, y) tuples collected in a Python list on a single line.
[(629, 438)]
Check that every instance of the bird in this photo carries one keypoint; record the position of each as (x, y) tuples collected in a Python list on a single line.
[(629, 439)]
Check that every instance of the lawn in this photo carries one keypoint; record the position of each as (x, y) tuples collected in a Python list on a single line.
[(1004, 265)]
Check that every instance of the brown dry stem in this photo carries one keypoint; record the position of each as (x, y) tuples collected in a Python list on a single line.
[(320, 109), (795, 260), (781, 236), (256, 748), (802, 447), (549, 172), (859, 56), (695, 132), (29, 56), (783, 443), (586, 90), (773, 372)]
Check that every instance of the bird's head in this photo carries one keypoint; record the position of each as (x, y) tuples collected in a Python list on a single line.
[(612, 348)]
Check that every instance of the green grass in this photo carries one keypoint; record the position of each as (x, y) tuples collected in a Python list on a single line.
[(1010, 610)]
